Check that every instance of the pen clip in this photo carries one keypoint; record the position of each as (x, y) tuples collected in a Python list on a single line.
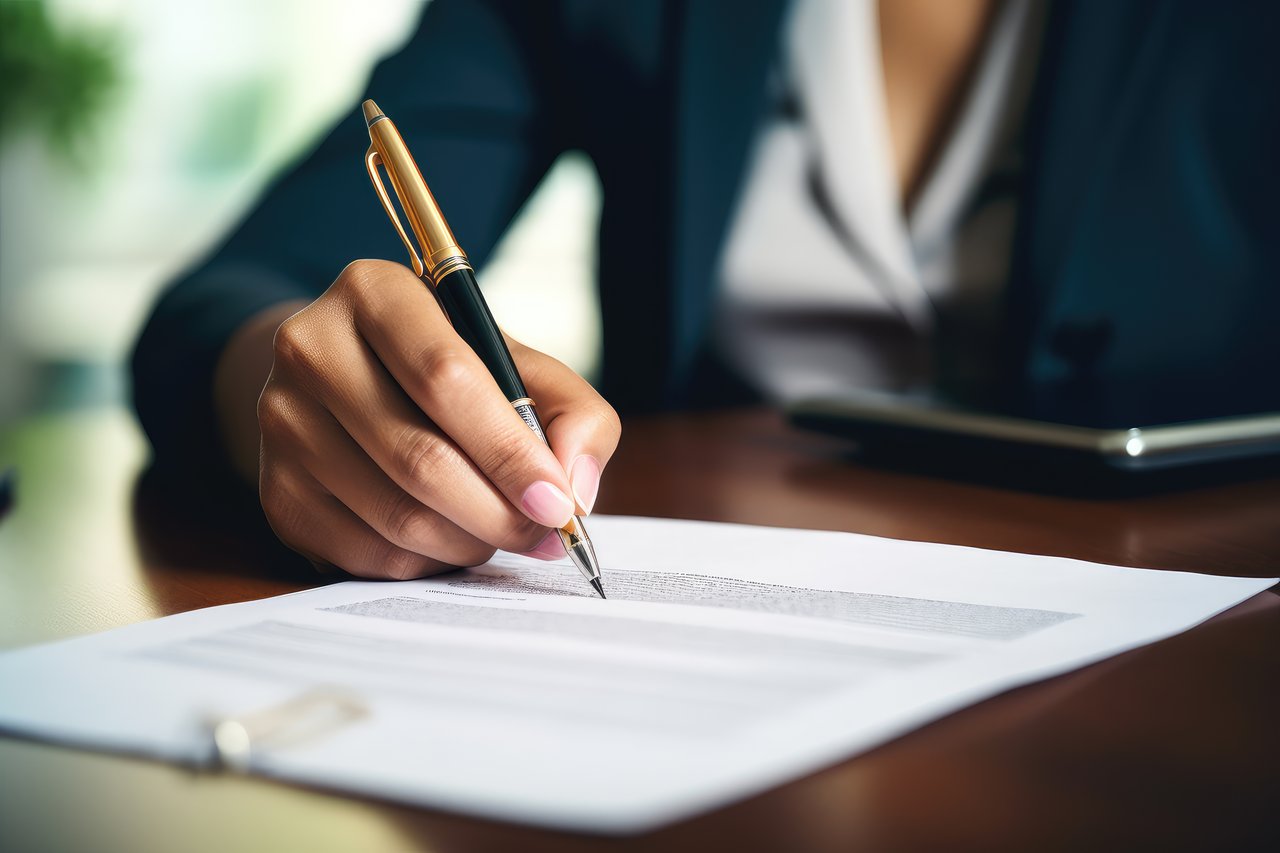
[(371, 162)]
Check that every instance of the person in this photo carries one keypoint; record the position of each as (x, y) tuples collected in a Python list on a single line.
[(798, 198)]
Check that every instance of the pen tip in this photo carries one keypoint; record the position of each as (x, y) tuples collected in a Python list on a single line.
[(371, 112), (595, 582)]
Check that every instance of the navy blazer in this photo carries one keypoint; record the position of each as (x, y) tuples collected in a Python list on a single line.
[(1146, 257)]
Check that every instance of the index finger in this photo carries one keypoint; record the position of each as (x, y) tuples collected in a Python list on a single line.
[(402, 322)]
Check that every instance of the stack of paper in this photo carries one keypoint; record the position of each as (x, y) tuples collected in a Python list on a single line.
[(727, 659)]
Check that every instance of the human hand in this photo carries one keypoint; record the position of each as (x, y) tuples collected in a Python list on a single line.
[(388, 450)]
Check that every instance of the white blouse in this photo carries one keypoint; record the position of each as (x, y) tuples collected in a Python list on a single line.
[(825, 286)]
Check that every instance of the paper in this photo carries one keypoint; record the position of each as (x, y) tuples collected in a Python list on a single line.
[(727, 660)]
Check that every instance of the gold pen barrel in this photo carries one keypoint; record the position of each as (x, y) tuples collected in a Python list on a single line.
[(440, 261), (441, 253)]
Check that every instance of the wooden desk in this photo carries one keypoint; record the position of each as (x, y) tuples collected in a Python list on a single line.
[(1173, 745)]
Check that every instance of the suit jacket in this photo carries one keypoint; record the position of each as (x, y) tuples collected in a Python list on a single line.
[(1146, 255)]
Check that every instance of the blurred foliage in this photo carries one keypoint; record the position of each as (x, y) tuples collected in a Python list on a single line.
[(53, 81)]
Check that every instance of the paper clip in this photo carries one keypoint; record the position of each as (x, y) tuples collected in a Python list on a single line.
[(233, 741)]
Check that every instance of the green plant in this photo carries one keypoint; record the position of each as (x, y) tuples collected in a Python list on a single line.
[(53, 81)]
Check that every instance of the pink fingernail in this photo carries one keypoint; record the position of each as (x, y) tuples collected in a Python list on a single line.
[(550, 548), (584, 476), (547, 505)]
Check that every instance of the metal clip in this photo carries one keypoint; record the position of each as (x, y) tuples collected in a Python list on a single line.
[(371, 162), (234, 740)]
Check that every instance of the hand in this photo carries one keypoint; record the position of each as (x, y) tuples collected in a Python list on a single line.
[(387, 449)]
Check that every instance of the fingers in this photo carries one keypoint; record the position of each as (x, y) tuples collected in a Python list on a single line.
[(387, 448), (317, 525), (412, 338), (353, 387), (582, 428), (342, 468)]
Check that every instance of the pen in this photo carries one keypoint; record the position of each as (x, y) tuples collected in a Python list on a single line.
[(442, 265)]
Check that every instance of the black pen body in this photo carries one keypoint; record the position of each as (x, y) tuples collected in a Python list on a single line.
[(462, 300)]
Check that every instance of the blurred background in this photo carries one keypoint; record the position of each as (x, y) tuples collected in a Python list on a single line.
[(135, 133)]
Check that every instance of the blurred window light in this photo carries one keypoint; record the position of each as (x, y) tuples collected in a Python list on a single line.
[(540, 280), (182, 152)]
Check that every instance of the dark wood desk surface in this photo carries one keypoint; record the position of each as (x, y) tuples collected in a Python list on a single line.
[(1173, 745)]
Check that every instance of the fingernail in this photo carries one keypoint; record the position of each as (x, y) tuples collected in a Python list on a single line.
[(547, 505), (584, 476), (550, 548)]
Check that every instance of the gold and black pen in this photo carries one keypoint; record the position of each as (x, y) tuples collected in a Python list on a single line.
[(443, 267)]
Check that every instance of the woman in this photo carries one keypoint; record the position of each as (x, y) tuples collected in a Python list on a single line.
[(797, 199)]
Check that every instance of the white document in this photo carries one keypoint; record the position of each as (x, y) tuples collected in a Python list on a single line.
[(728, 659)]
